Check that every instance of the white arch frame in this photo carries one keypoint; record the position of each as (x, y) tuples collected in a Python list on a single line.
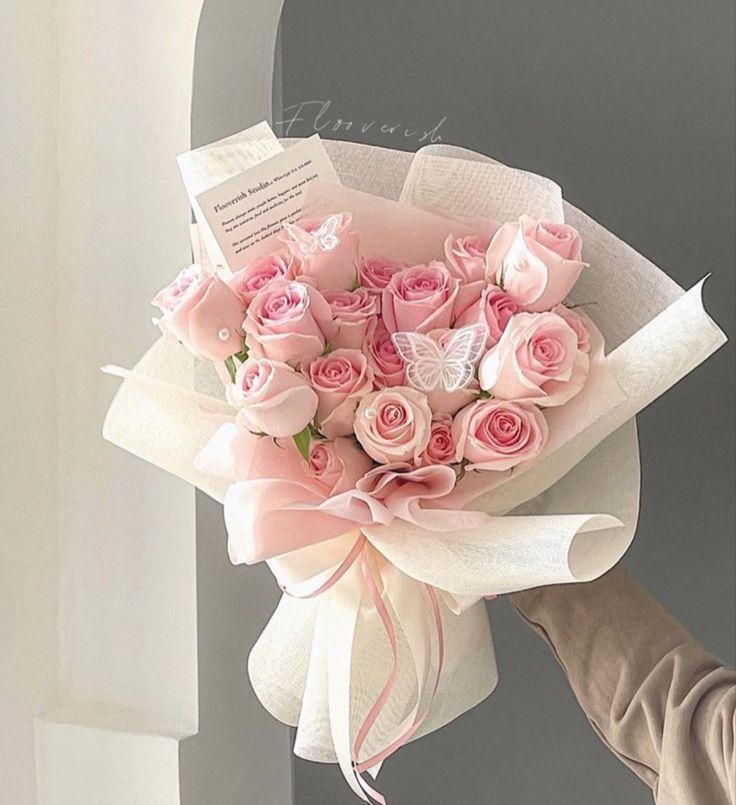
[(126, 536)]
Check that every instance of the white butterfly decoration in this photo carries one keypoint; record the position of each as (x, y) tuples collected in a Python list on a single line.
[(429, 364), (324, 239)]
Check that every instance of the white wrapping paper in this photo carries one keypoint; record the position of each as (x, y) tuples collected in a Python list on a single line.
[(321, 662)]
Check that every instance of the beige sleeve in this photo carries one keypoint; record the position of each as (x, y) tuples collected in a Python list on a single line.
[(660, 702)]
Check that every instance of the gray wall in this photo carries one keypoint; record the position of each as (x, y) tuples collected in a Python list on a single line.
[(630, 106)]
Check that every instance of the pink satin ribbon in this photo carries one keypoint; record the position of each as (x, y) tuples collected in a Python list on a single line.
[(307, 588), (311, 588)]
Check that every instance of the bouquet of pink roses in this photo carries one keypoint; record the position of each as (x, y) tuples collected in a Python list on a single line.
[(412, 415), (398, 384)]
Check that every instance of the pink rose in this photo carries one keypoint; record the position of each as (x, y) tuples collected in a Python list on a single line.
[(327, 251), (263, 270), (535, 262), (393, 425), (441, 446), (289, 322), (272, 397), (203, 313), (338, 465), (420, 298), (577, 322), (353, 312), (498, 435), (466, 257), (340, 379), (388, 368), (494, 308), (376, 273), (537, 359)]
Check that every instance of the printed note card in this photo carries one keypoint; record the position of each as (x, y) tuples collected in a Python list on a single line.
[(246, 212)]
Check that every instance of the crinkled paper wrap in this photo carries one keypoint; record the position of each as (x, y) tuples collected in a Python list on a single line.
[(320, 663)]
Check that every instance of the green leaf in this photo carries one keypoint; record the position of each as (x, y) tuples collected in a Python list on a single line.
[(314, 430), (242, 356), (302, 440), (460, 469), (231, 370)]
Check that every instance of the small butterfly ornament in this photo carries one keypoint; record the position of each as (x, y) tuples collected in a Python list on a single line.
[(324, 239), (450, 365)]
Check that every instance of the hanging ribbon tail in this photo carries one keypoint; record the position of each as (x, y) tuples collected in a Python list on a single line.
[(299, 666), (343, 612), (340, 662)]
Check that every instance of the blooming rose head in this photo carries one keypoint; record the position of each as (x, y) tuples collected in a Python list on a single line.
[(353, 312), (393, 425), (466, 257), (289, 322), (498, 435), (203, 313), (494, 308), (376, 273), (388, 368), (535, 262), (338, 465), (419, 299), (340, 378), (326, 250), (577, 322), (441, 446), (260, 272), (272, 398), (537, 359)]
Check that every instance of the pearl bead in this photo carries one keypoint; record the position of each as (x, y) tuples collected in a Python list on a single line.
[(370, 413), (521, 265), (224, 334)]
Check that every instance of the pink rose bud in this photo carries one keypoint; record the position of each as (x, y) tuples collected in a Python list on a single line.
[(494, 308), (326, 250), (203, 313), (289, 322), (353, 312), (340, 379), (441, 446), (498, 435), (272, 397), (535, 262), (387, 365), (376, 273), (337, 466), (259, 273), (466, 257), (419, 299), (537, 359), (394, 425)]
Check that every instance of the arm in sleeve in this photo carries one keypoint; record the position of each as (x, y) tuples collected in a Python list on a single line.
[(660, 702)]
